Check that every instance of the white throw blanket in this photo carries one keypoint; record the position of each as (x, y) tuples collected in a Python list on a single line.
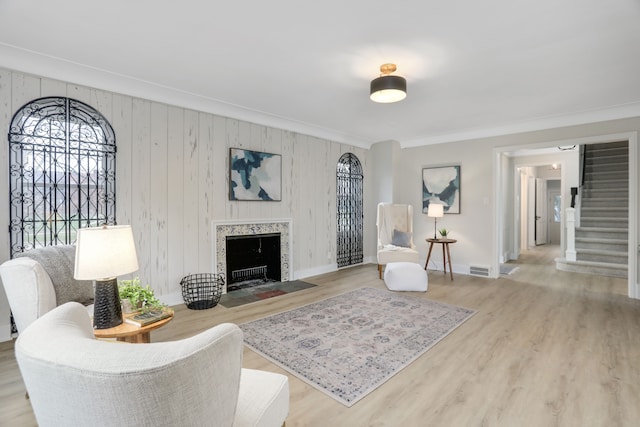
[(390, 217), (59, 263)]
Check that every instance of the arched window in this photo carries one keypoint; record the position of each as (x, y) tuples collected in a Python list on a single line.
[(350, 212), (62, 166)]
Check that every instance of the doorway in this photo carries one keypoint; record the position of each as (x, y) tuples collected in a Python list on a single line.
[(534, 219), (509, 234)]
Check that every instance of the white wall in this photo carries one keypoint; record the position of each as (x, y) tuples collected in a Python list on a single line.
[(474, 228), (384, 157), (172, 182)]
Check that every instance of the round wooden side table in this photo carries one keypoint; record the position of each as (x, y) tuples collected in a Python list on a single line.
[(446, 255), (131, 333)]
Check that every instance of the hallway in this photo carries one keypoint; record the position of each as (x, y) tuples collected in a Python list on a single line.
[(537, 267)]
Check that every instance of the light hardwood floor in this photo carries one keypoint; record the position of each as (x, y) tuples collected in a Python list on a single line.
[(546, 348)]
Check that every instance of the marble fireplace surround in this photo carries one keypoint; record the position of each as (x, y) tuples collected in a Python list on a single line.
[(222, 229)]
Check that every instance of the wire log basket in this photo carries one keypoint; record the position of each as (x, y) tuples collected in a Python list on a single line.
[(202, 290)]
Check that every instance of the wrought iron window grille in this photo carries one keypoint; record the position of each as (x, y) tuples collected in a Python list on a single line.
[(350, 217), (62, 172)]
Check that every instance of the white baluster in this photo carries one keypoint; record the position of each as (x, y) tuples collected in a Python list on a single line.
[(570, 254)]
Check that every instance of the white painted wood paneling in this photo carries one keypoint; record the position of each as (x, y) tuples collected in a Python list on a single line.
[(322, 191), (232, 141), (190, 192), (205, 192), (245, 209), (140, 185), (122, 125), (173, 179), (287, 172), (53, 88), (219, 169), (6, 113), (24, 88), (158, 186), (334, 156), (103, 102), (80, 93), (175, 205)]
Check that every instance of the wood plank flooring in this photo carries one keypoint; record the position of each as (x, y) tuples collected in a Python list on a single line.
[(546, 348)]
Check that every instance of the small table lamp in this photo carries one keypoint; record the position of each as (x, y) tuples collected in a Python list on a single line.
[(102, 254), (435, 211)]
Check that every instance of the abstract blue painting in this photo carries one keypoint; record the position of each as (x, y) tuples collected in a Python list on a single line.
[(254, 175), (441, 185)]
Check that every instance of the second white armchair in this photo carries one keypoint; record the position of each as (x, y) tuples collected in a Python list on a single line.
[(395, 235)]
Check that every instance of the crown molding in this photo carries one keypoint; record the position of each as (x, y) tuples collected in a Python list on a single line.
[(615, 112), (38, 64)]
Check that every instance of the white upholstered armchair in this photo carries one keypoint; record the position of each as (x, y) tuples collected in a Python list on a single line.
[(75, 380), (395, 234), (37, 281)]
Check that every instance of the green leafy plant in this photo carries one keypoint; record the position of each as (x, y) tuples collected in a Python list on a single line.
[(444, 232), (140, 297)]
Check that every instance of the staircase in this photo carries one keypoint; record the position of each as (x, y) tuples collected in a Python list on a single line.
[(602, 237)]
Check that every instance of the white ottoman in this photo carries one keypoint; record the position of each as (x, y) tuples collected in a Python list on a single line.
[(405, 276)]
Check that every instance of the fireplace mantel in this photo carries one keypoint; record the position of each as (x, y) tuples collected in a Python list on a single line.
[(222, 229)]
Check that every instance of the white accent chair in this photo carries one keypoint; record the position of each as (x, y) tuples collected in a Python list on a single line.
[(75, 380), (33, 291), (395, 235)]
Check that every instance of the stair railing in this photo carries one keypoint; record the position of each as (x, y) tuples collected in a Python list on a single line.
[(583, 163)]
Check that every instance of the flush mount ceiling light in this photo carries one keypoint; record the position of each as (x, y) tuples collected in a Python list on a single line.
[(388, 88)]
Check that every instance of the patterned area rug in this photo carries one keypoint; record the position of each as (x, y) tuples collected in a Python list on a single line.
[(251, 294), (348, 345)]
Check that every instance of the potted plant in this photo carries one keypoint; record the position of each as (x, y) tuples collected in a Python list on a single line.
[(135, 297), (444, 233)]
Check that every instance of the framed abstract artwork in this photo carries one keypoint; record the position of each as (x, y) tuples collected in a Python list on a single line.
[(254, 175), (441, 185)]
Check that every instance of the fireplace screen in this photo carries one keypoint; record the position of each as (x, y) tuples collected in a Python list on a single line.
[(253, 259)]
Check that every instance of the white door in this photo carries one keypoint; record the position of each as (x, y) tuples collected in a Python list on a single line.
[(541, 211), (554, 206), (531, 212)]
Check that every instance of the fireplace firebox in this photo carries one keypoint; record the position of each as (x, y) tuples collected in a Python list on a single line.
[(253, 258)]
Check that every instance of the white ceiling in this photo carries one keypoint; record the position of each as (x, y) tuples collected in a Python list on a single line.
[(474, 68)]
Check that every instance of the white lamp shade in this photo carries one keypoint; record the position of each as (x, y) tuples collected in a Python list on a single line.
[(105, 252), (436, 210)]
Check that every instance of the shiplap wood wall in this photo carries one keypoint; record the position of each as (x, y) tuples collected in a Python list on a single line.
[(172, 180)]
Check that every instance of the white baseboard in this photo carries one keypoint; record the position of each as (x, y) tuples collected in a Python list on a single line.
[(315, 271), (5, 332), (172, 299)]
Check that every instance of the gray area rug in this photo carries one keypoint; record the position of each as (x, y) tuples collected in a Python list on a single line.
[(348, 345)]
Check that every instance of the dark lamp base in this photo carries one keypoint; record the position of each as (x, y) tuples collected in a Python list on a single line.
[(107, 311)]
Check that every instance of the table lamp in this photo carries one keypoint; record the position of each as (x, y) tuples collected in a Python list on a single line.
[(102, 254), (435, 211)]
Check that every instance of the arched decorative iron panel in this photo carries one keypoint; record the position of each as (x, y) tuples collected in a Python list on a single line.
[(349, 205), (62, 172)]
